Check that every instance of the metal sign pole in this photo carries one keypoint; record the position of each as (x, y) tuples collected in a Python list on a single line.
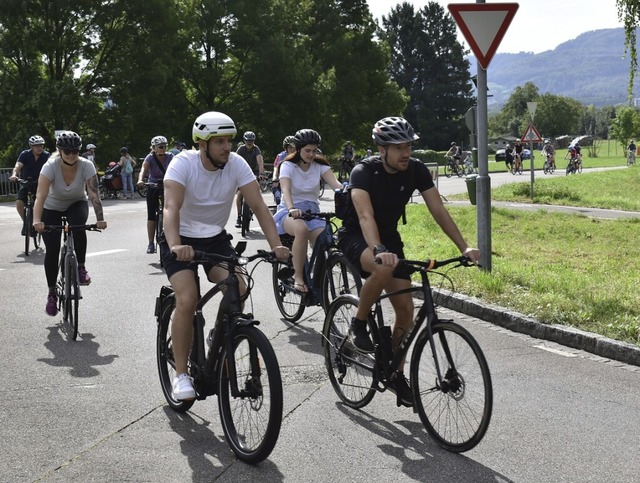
[(483, 182)]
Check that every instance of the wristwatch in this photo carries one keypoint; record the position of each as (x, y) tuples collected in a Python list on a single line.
[(379, 248)]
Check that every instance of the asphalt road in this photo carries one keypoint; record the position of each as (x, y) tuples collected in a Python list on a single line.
[(93, 410)]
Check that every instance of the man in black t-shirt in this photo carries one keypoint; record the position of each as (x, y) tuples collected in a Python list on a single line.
[(253, 156), (380, 188)]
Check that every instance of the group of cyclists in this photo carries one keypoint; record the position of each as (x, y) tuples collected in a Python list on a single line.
[(199, 187)]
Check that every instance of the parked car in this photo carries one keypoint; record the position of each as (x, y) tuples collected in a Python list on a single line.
[(500, 156)]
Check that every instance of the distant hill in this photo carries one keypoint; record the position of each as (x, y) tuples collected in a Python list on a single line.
[(591, 68)]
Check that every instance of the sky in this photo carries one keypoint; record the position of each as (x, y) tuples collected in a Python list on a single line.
[(538, 25)]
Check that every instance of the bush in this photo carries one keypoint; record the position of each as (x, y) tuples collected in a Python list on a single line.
[(429, 156)]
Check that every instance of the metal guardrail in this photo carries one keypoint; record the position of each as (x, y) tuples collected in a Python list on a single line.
[(7, 188)]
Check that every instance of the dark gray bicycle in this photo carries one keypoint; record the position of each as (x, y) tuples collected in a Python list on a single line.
[(68, 285), (237, 363), (450, 378)]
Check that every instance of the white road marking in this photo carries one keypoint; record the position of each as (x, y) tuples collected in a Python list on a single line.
[(107, 252), (555, 351)]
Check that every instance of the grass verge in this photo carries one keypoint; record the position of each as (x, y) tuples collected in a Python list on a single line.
[(559, 268)]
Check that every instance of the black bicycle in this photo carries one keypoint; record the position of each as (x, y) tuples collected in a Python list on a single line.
[(327, 273), (245, 217), (238, 363), (68, 285), (346, 165), (451, 168), (549, 165), (449, 375), (159, 216), (27, 228)]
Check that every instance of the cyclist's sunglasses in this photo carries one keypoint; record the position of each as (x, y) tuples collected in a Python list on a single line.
[(69, 152), (161, 146)]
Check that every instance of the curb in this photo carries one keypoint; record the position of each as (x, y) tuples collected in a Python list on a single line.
[(517, 322)]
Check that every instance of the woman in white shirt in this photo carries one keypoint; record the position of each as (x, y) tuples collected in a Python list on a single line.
[(300, 175)]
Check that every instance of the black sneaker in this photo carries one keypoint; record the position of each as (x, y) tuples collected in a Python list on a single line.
[(239, 222), (359, 336), (401, 388)]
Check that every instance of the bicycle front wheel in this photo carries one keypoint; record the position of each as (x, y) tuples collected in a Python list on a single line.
[(246, 218), (340, 277), (251, 420), (447, 171), (28, 227), (288, 299), (456, 409), (158, 237), (350, 371), (71, 298), (164, 357)]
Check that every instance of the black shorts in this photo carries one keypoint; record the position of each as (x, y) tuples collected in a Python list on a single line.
[(220, 244), (352, 245)]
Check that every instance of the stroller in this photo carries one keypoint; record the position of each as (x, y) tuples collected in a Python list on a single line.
[(110, 185)]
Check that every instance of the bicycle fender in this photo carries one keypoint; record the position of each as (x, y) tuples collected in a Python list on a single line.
[(163, 300), (242, 322)]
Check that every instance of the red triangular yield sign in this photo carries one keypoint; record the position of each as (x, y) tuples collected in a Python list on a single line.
[(483, 26), (531, 134)]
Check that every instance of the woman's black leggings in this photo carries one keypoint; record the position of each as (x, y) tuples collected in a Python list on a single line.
[(77, 214)]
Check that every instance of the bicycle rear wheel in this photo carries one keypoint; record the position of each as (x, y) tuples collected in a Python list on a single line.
[(288, 300), (350, 371), (340, 277), (456, 410), (251, 421), (321, 192), (164, 357)]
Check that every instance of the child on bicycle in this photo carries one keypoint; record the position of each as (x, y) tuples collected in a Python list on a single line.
[(300, 175), (380, 189)]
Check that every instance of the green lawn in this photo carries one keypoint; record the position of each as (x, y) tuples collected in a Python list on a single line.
[(562, 269)]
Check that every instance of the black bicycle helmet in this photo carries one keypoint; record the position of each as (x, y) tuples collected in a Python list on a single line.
[(69, 140), (288, 140), (306, 136), (124, 150), (393, 130)]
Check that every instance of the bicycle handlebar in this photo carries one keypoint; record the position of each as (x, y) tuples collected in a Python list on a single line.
[(92, 227), (322, 215), (431, 264), (200, 256)]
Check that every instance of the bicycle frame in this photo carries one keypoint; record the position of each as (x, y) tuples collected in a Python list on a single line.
[(206, 365), (314, 265)]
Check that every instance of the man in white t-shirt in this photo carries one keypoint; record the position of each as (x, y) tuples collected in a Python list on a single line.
[(199, 188)]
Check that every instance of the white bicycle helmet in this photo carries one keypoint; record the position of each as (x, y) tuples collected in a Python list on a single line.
[(249, 136), (212, 124), (158, 140), (34, 140), (393, 130), (91, 146)]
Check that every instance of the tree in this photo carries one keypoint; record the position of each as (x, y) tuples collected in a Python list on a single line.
[(513, 118), (626, 125), (558, 115), (629, 15), (428, 62)]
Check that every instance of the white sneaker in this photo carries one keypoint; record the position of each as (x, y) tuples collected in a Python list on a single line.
[(183, 387)]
